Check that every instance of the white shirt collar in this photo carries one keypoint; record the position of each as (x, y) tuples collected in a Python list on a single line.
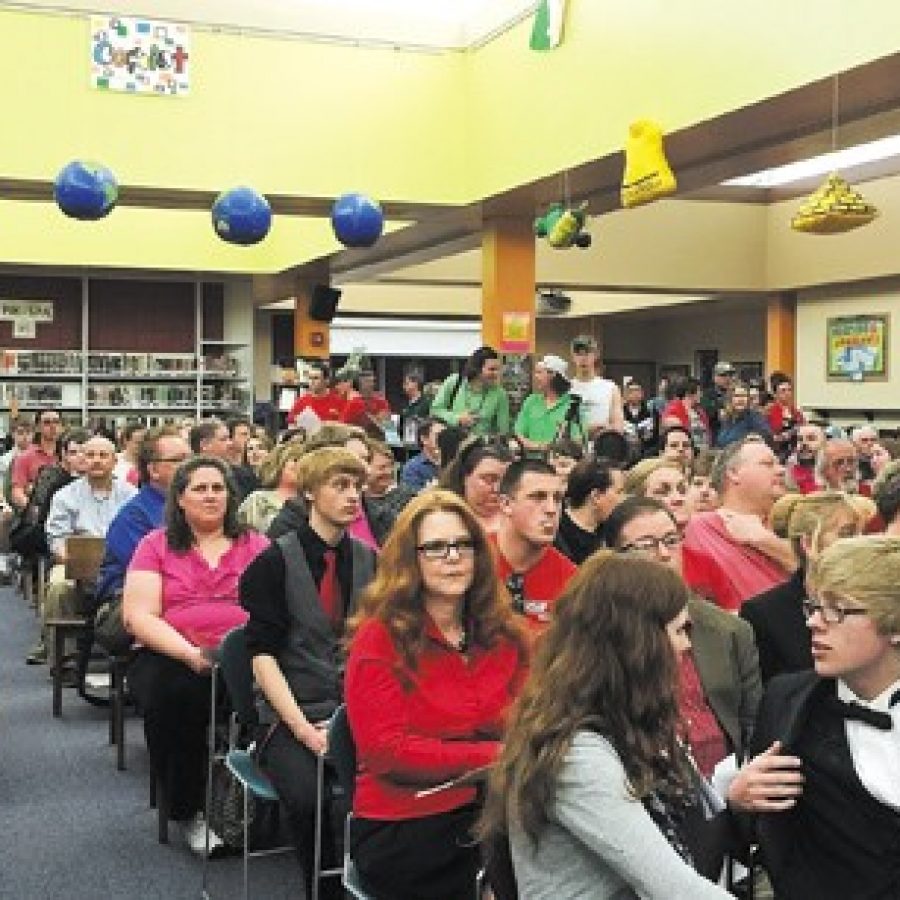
[(881, 702)]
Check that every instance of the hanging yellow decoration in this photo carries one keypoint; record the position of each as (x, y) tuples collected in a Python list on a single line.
[(835, 207), (648, 175)]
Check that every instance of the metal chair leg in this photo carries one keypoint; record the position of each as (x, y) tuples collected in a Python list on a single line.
[(317, 835)]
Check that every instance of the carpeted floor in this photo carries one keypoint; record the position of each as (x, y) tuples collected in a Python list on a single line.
[(73, 827)]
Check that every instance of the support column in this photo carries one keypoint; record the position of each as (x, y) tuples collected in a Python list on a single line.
[(781, 334), (508, 285), (312, 340)]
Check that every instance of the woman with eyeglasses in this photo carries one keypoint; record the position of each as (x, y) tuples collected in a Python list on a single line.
[(832, 831), (594, 791), (475, 475), (435, 660)]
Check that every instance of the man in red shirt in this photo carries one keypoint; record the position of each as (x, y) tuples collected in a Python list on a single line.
[(43, 452), (368, 409), (730, 554), (534, 571), (320, 398)]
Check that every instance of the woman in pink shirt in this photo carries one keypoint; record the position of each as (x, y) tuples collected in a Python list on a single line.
[(180, 600)]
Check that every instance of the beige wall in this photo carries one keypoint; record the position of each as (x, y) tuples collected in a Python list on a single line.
[(813, 309)]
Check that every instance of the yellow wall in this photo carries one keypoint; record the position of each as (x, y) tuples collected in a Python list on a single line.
[(813, 309)]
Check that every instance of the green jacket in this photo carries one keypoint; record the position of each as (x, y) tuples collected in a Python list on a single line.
[(490, 406), (538, 422)]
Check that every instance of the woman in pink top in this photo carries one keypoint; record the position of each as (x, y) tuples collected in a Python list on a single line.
[(180, 600)]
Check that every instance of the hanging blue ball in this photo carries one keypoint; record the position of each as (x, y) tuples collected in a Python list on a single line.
[(241, 216), (85, 190), (357, 220)]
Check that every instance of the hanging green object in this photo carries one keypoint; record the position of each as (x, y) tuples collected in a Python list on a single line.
[(548, 25)]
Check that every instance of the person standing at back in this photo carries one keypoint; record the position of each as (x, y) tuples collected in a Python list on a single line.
[(474, 399), (601, 399)]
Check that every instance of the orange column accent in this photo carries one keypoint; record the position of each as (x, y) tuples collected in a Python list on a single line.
[(508, 285), (781, 334), (312, 340)]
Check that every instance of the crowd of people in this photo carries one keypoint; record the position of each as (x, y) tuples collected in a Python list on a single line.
[(602, 647)]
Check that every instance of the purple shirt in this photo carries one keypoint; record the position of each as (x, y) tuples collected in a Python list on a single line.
[(198, 601)]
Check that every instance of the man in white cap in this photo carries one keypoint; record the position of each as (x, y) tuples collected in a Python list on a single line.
[(549, 413), (601, 399)]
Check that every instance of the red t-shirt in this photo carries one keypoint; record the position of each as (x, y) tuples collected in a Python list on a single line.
[(329, 407), (417, 729), (544, 582), (27, 464), (359, 408)]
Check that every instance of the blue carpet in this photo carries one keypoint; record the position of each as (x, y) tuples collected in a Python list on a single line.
[(71, 825)]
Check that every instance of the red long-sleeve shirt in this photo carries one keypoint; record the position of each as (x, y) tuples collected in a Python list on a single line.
[(418, 729)]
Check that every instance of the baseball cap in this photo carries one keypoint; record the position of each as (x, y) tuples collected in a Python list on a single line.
[(724, 368), (584, 343), (555, 364)]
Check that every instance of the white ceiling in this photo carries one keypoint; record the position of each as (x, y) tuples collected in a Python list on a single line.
[(426, 24)]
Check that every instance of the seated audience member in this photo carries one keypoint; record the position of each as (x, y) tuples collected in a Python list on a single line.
[(475, 399), (475, 475), (85, 506), (550, 411), (593, 790), (730, 554), (244, 475), (563, 455), (801, 466), (864, 438), (784, 417), (161, 451), (739, 419), (180, 600), (701, 495), (278, 477), (256, 451), (369, 409), (423, 469), (211, 437), (886, 494), (127, 461), (776, 615), (641, 422), (327, 404), (298, 593), (436, 659), (677, 446), (593, 491), (831, 833), (837, 466), (685, 410), (534, 571), (384, 496), (662, 480), (719, 675), (44, 451)]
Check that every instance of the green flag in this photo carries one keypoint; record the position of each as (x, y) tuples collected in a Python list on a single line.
[(548, 24)]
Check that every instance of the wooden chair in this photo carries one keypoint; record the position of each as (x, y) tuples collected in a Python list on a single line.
[(84, 553)]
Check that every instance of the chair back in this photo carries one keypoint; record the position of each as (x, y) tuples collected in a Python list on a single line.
[(237, 672), (84, 553), (342, 751)]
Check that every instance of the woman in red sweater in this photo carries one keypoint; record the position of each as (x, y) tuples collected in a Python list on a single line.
[(435, 662)]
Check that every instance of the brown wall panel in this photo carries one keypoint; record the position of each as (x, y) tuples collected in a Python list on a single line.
[(213, 311), (142, 316), (64, 332)]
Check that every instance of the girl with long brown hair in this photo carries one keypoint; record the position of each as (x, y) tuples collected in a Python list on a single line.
[(592, 789), (435, 661)]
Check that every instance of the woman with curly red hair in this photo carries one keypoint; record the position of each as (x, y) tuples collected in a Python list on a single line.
[(436, 659)]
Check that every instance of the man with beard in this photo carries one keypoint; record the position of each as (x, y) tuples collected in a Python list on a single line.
[(838, 466), (801, 473)]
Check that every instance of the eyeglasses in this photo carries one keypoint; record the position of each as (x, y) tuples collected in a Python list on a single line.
[(515, 584), (664, 490), (652, 544), (831, 615), (463, 548)]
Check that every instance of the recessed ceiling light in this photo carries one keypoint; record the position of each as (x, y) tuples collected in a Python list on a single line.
[(837, 161)]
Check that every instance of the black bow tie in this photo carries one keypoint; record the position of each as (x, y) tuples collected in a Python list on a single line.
[(859, 713)]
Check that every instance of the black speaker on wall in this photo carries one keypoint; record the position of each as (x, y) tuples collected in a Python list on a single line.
[(323, 303)]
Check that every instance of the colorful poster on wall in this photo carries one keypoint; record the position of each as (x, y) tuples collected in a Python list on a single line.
[(857, 347), (140, 56), (516, 334)]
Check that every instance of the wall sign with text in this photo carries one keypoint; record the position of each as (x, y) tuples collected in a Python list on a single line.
[(140, 56)]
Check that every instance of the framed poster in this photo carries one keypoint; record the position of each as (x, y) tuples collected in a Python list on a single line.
[(857, 347)]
